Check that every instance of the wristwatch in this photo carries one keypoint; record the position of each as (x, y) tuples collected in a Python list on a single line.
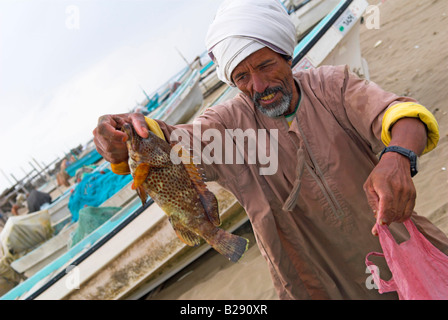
[(405, 152)]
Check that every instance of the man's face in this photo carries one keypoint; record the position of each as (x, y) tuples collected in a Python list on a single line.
[(266, 77)]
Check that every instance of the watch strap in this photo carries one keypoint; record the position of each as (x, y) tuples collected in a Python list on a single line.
[(405, 152)]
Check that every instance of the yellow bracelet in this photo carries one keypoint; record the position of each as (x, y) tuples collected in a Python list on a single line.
[(410, 110)]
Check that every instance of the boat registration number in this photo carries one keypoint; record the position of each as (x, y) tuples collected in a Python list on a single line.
[(345, 21)]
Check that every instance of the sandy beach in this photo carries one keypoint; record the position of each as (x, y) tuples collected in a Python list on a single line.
[(407, 55)]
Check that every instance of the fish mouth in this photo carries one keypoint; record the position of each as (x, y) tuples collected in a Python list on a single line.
[(127, 128), (130, 132)]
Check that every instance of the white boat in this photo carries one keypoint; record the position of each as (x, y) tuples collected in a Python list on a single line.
[(137, 249), (61, 220), (183, 103), (309, 13), (335, 40), (209, 81)]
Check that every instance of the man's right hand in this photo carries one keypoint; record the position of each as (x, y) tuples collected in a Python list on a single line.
[(110, 141)]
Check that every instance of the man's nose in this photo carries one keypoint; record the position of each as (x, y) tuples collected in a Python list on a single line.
[(259, 84)]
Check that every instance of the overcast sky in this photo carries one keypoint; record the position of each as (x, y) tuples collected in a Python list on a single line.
[(65, 63)]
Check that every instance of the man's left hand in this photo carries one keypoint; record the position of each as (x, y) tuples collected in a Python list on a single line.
[(390, 190)]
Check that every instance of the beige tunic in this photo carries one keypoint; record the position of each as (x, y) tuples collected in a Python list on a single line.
[(317, 249)]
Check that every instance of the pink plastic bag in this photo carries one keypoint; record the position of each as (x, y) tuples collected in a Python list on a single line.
[(419, 270)]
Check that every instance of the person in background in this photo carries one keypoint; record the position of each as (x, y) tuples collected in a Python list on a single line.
[(15, 209), (62, 178), (36, 199)]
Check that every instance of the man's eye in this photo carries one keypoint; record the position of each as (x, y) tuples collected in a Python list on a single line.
[(241, 78), (265, 66)]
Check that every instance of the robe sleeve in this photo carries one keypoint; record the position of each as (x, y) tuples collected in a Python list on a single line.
[(372, 111)]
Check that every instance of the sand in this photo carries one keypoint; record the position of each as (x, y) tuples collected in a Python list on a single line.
[(412, 60)]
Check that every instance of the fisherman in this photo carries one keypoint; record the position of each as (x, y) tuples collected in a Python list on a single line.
[(314, 217), (36, 199)]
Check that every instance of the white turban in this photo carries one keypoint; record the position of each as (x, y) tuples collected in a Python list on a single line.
[(242, 27)]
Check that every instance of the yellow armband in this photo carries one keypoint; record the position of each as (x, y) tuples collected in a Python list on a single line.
[(120, 168), (123, 167), (410, 110)]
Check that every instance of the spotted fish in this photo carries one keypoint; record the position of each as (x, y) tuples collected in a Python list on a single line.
[(181, 193)]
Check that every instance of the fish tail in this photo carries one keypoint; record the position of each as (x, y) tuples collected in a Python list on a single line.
[(229, 245)]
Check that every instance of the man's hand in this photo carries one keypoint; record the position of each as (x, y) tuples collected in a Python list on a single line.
[(110, 141), (389, 189)]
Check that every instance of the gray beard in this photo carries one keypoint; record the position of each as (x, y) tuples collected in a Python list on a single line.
[(276, 109)]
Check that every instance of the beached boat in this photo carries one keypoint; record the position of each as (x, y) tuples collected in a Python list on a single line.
[(183, 103), (335, 40), (209, 81), (136, 250), (306, 14)]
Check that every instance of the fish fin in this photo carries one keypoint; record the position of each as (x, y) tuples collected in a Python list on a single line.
[(186, 236), (208, 199), (229, 245), (210, 204), (140, 175), (142, 194)]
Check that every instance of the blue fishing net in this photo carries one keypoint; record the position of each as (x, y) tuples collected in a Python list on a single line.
[(94, 189)]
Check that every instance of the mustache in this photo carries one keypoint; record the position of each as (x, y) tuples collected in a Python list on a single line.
[(257, 96)]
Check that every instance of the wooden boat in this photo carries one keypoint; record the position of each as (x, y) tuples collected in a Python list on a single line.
[(209, 81), (309, 13), (335, 40), (41, 264), (61, 221), (137, 249), (183, 103)]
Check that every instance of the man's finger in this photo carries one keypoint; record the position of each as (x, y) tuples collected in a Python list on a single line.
[(375, 230), (372, 197), (386, 210), (139, 124), (373, 201), (111, 133)]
